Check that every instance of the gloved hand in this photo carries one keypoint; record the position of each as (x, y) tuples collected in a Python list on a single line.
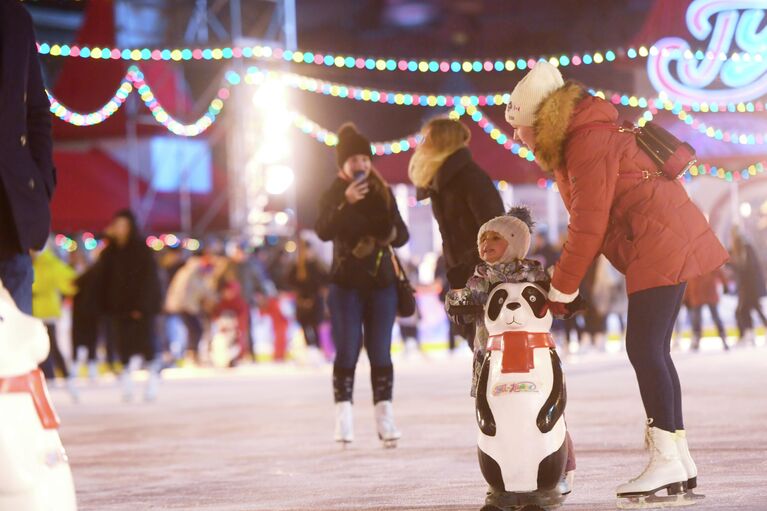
[(562, 310), (564, 306)]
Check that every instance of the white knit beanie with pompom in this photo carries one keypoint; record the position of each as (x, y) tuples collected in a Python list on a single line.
[(516, 227)]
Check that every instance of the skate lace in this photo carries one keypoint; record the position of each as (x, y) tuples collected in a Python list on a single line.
[(649, 444)]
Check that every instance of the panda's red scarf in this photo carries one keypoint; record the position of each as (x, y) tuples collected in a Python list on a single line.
[(517, 348), (33, 383)]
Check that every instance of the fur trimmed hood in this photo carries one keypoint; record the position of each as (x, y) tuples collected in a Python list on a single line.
[(563, 110)]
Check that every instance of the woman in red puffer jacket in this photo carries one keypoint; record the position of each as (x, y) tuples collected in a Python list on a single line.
[(648, 228)]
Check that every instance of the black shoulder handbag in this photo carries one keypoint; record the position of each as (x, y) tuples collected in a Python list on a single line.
[(671, 156), (405, 293)]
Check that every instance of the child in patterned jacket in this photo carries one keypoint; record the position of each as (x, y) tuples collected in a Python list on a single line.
[(503, 243)]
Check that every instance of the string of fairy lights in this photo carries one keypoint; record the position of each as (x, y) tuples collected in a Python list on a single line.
[(386, 64), (462, 105)]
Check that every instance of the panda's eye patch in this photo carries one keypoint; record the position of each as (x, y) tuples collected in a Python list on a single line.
[(495, 304), (537, 301)]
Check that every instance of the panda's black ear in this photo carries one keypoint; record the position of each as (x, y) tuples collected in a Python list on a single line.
[(536, 300), (495, 304)]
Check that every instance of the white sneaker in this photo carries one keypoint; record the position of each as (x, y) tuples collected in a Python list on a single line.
[(344, 422), (687, 461), (664, 471), (387, 430)]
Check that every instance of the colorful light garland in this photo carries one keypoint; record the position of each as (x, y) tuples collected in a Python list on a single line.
[(465, 104), (156, 243), (163, 117), (134, 79), (100, 115), (338, 61), (431, 65), (729, 136), (330, 139)]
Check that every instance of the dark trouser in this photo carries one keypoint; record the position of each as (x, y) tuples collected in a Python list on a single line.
[(351, 311), (133, 337), (85, 332), (193, 326), (651, 317), (55, 358), (17, 275), (696, 319), (311, 334), (743, 313)]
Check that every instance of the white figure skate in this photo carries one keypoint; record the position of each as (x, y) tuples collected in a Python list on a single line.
[(387, 430), (689, 465), (344, 423), (664, 472)]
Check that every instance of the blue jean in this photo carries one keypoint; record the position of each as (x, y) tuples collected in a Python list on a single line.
[(17, 276), (351, 311)]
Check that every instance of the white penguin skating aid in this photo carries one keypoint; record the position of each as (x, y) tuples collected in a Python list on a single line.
[(34, 468), (669, 478), (520, 403)]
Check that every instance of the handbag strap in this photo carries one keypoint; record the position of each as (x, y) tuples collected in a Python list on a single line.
[(626, 128), (398, 271)]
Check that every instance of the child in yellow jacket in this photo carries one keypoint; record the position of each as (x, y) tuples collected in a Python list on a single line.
[(54, 279)]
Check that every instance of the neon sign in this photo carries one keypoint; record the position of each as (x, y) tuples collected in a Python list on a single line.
[(725, 23)]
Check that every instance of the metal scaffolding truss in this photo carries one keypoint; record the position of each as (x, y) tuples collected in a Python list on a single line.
[(163, 23)]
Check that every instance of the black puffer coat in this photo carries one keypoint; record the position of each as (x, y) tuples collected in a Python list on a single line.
[(345, 224), (462, 198)]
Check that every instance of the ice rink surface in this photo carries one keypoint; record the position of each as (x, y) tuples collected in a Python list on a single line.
[(260, 438)]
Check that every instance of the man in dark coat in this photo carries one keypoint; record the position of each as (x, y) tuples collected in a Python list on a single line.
[(27, 175)]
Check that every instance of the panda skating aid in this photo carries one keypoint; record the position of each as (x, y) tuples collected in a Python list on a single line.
[(520, 403)]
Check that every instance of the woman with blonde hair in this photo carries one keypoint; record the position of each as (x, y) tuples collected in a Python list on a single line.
[(359, 215), (462, 195)]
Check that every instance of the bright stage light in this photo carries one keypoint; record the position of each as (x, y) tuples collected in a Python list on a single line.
[(745, 209), (271, 96), (278, 179)]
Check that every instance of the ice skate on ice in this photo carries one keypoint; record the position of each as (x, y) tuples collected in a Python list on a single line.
[(153, 381), (665, 472), (344, 423), (387, 430), (689, 465)]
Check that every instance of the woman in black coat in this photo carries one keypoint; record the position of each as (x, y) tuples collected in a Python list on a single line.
[(131, 298), (462, 195), (360, 216)]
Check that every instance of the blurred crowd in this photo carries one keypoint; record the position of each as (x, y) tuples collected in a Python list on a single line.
[(227, 304)]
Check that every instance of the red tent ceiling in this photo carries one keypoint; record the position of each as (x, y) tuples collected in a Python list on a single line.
[(92, 187)]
